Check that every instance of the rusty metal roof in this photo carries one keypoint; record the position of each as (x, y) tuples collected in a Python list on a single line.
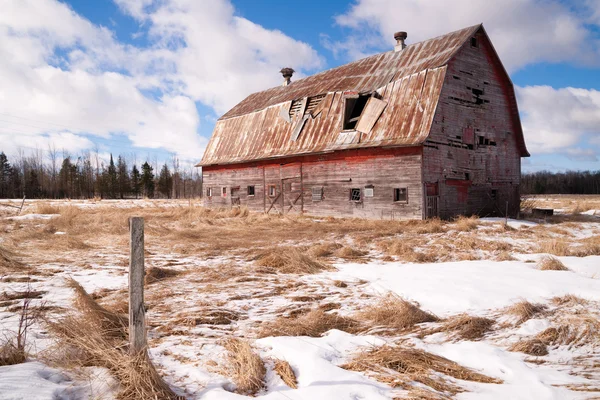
[(409, 81)]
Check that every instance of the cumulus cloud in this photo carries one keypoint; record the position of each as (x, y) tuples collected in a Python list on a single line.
[(66, 80), (523, 31), (557, 120)]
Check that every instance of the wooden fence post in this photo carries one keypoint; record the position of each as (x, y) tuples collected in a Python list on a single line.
[(137, 318)]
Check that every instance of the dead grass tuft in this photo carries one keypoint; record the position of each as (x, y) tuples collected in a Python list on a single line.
[(413, 365), (323, 249), (554, 247), (286, 373), (82, 344), (288, 260), (466, 224), (11, 353), (524, 310), (109, 323), (244, 367), (8, 261), (464, 326), (349, 253), (394, 313), (44, 208), (549, 263), (156, 274), (533, 347), (569, 300), (313, 323), (405, 250)]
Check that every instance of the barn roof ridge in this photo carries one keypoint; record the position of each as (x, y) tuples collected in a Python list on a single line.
[(384, 68)]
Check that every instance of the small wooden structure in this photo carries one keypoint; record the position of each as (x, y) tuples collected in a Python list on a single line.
[(425, 130)]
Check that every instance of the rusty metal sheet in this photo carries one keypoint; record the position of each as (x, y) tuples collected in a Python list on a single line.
[(363, 75), (409, 82)]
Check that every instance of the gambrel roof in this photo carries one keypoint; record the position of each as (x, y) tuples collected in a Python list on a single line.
[(306, 116)]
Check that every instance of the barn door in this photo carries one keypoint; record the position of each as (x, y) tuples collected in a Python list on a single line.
[(235, 196), (291, 188), (292, 195), (432, 200)]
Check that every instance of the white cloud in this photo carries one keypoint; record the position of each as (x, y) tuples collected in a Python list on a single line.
[(63, 75), (557, 120), (220, 58), (523, 31)]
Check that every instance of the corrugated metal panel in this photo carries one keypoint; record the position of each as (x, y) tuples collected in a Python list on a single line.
[(409, 81), (363, 75)]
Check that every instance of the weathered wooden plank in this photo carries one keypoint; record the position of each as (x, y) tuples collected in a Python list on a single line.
[(370, 115), (137, 314)]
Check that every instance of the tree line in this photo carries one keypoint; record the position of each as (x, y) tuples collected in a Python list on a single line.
[(41, 175), (570, 182)]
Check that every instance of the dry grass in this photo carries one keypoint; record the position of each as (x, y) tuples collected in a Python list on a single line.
[(549, 263), (44, 208), (11, 353), (398, 367), (465, 327), (288, 260), (323, 249), (524, 310), (83, 344), (575, 330), (393, 313), (156, 274), (466, 224), (9, 262), (108, 322), (244, 367), (569, 300), (286, 373), (533, 347), (555, 247), (90, 335), (405, 251), (314, 323), (349, 253)]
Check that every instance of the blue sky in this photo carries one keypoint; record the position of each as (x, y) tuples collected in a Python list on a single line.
[(148, 78)]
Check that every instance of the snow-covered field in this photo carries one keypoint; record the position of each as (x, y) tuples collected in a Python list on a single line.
[(479, 267)]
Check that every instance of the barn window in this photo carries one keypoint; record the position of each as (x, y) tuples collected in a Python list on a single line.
[(224, 192), (494, 194), (369, 191), (353, 110), (401, 195), (474, 42), (209, 192), (272, 190), (355, 194), (250, 190), (317, 193)]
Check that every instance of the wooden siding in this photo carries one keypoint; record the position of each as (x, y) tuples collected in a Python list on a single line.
[(473, 151), (336, 173)]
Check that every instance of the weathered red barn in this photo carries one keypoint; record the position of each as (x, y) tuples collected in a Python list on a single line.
[(429, 129)]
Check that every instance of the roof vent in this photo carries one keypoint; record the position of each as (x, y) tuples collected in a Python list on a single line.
[(400, 38), (287, 75)]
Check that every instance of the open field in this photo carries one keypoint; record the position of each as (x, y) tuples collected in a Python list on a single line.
[(288, 307)]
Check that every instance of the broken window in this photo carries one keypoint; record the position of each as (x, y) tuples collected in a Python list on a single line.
[(355, 194), (401, 195), (272, 190), (354, 107), (224, 192), (317, 193), (250, 190), (494, 194), (474, 42), (209, 192)]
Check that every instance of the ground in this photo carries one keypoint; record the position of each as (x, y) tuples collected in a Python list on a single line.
[(358, 309)]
